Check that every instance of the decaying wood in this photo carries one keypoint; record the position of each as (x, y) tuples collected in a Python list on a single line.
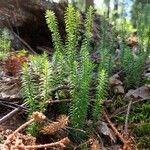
[(27, 19)]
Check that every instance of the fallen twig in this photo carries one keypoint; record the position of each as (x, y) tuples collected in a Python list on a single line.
[(127, 117), (35, 118), (59, 101), (7, 105), (12, 113), (14, 142), (25, 43), (60, 143), (124, 108), (128, 144), (11, 104)]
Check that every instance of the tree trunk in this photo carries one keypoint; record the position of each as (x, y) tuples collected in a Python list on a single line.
[(107, 3), (108, 9), (115, 9)]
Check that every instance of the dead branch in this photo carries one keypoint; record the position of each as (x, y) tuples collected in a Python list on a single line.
[(24, 42), (12, 113), (128, 144), (11, 104), (14, 142), (60, 143), (35, 118), (124, 108)]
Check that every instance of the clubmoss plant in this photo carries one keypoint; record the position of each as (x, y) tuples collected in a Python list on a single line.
[(80, 99), (36, 86), (77, 64), (101, 95)]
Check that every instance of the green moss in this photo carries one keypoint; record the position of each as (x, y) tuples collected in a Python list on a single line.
[(143, 142)]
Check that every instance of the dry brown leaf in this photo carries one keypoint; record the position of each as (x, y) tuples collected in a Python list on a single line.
[(117, 84), (140, 93), (105, 130)]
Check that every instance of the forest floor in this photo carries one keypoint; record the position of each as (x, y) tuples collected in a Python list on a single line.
[(125, 117)]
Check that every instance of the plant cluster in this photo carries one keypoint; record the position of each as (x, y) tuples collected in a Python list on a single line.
[(69, 66), (72, 66), (78, 65), (133, 61), (36, 86)]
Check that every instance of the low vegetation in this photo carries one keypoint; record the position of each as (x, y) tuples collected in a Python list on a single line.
[(73, 71)]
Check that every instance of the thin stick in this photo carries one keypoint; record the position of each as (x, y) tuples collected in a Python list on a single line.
[(114, 128), (7, 105), (11, 104), (25, 43), (127, 117), (60, 143), (128, 144), (59, 101), (123, 109), (19, 38), (19, 129), (12, 113)]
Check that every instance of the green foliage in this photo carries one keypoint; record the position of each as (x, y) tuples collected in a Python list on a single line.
[(141, 117), (141, 113), (143, 142), (142, 129), (139, 7), (53, 26), (72, 21), (29, 89), (133, 68), (36, 86), (101, 94), (59, 66), (133, 63), (5, 44), (78, 75), (82, 78), (106, 47), (42, 68), (104, 69)]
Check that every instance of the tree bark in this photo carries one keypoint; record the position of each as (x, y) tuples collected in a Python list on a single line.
[(116, 9)]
